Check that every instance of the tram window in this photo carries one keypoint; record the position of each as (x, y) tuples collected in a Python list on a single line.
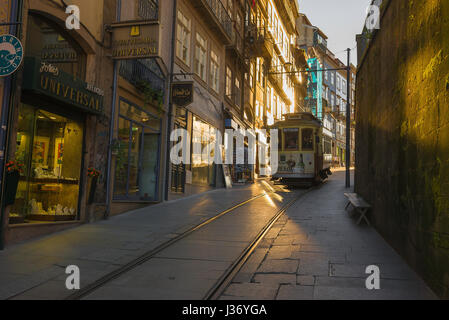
[(307, 139), (291, 139)]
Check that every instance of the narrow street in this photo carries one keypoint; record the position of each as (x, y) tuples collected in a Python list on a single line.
[(316, 251), (311, 252), (220, 150)]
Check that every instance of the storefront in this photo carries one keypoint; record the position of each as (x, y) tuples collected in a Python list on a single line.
[(240, 172), (201, 174), (203, 137), (137, 154), (50, 132)]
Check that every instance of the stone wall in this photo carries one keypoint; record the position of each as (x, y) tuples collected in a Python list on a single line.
[(402, 165)]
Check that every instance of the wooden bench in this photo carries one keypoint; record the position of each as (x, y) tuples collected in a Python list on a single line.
[(360, 205)]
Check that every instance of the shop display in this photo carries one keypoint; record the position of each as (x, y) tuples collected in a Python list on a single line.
[(49, 186)]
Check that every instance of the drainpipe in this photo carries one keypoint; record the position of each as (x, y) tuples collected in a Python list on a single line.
[(8, 100), (111, 126), (170, 103)]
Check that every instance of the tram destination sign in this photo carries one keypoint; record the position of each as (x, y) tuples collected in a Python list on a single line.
[(135, 41), (182, 93)]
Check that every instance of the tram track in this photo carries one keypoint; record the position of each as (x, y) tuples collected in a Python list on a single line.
[(150, 254), (219, 288), (223, 281)]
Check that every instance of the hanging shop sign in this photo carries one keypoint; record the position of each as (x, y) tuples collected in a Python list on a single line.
[(46, 79), (135, 41), (182, 93), (11, 54)]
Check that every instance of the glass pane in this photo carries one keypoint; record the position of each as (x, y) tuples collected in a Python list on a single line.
[(134, 159), (200, 167), (46, 42), (149, 167), (25, 132), (55, 168), (307, 139), (121, 165), (291, 139), (138, 115)]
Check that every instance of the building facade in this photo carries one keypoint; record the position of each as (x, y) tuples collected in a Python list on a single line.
[(60, 104), (327, 91), (90, 111)]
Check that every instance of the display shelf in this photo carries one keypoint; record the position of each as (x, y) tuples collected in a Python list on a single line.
[(49, 217), (50, 180), (16, 220)]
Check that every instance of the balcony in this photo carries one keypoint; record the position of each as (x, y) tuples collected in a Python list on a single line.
[(326, 107), (260, 43), (138, 10), (148, 9), (137, 72), (286, 11), (219, 19), (237, 44), (276, 81)]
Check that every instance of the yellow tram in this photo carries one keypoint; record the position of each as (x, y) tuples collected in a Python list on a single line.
[(304, 157)]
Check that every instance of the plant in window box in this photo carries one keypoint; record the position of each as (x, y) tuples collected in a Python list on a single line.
[(151, 96), (93, 175), (13, 170)]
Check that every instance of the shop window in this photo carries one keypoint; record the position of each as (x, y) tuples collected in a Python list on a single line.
[(50, 44), (291, 139), (203, 135), (307, 139), (50, 148), (137, 160)]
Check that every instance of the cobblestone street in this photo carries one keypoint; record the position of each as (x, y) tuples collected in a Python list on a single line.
[(316, 251)]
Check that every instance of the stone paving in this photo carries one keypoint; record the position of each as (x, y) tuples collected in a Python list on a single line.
[(36, 269), (317, 251)]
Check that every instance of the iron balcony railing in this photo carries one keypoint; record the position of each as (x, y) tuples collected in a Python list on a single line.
[(148, 9), (237, 41), (136, 72), (217, 8)]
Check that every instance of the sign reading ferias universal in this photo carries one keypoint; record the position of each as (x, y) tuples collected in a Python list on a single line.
[(47, 80), (135, 41)]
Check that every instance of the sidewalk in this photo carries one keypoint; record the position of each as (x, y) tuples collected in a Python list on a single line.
[(36, 267), (317, 251)]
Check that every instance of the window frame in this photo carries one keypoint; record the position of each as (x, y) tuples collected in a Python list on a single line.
[(200, 52), (186, 41)]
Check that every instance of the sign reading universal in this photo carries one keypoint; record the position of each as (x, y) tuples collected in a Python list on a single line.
[(47, 80), (135, 40)]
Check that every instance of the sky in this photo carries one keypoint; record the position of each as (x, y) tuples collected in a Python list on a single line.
[(340, 20)]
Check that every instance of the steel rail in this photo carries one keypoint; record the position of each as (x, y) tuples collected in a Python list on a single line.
[(219, 288), (150, 254)]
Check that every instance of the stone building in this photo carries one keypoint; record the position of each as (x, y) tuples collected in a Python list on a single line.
[(60, 105), (93, 97), (402, 133), (92, 108)]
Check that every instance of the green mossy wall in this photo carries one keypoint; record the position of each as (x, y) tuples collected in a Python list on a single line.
[(402, 143)]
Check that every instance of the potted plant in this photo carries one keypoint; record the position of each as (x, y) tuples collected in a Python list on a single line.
[(93, 175), (151, 96), (13, 171)]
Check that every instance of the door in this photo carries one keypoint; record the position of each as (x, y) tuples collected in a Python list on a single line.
[(149, 165)]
